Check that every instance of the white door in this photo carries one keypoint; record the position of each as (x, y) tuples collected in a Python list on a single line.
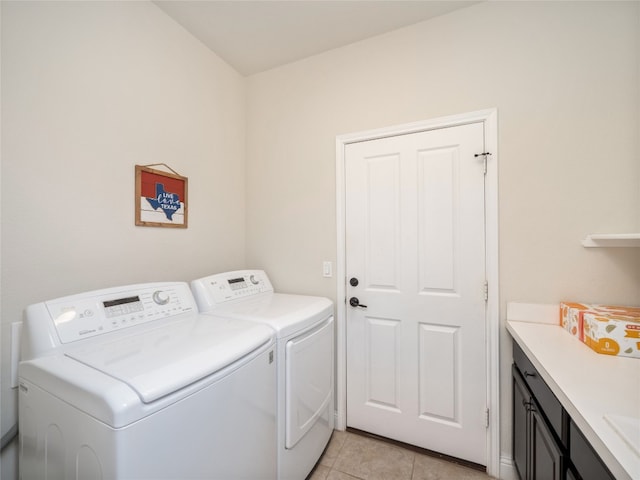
[(415, 245)]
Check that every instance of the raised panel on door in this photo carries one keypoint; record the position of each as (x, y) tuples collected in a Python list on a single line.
[(382, 363), (439, 378), (382, 221), (437, 222)]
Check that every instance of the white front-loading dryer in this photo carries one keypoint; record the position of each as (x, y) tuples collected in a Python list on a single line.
[(304, 329), (133, 383)]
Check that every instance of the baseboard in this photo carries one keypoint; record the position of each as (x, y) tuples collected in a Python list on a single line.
[(507, 470)]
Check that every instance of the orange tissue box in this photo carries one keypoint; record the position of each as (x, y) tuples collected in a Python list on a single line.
[(607, 329), (571, 317), (613, 333)]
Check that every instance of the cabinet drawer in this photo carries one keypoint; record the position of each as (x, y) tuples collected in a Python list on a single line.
[(584, 458), (548, 402)]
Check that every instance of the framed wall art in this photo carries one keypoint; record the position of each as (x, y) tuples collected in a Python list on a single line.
[(161, 197)]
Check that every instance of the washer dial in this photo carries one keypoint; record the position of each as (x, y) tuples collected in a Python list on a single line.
[(160, 297)]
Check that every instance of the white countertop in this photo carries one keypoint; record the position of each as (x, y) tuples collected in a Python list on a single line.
[(589, 385)]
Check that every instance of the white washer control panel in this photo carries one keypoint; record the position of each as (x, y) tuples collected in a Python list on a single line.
[(224, 287), (85, 315)]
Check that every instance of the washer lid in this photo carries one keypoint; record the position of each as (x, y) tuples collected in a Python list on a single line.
[(160, 361), (285, 313)]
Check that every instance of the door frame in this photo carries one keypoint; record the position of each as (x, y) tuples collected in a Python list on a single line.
[(489, 119)]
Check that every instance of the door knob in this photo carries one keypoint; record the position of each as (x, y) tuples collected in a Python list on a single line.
[(353, 282), (354, 302)]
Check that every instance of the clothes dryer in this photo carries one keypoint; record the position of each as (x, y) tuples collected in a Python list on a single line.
[(304, 329), (132, 383)]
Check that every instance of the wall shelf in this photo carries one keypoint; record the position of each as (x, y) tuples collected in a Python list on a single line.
[(612, 240)]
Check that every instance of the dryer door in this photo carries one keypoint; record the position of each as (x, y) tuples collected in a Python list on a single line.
[(309, 380)]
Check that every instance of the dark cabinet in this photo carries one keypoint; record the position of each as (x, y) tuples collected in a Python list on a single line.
[(546, 454), (547, 445), (537, 453), (521, 427), (584, 459)]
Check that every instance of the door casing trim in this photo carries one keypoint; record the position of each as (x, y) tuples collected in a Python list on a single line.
[(489, 119)]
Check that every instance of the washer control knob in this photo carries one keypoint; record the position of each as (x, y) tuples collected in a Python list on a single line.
[(160, 297), (254, 280)]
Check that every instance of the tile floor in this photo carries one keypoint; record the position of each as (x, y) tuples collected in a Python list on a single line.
[(351, 456)]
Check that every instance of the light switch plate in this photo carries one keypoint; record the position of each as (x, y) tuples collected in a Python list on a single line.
[(327, 269)]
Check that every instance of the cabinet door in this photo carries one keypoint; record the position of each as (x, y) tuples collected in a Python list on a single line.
[(586, 461), (546, 457), (521, 402)]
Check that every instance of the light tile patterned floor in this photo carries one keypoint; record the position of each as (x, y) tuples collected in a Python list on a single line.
[(350, 456)]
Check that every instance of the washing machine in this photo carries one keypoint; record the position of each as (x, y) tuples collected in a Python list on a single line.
[(133, 383), (304, 329)]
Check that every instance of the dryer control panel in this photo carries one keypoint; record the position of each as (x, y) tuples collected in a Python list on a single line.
[(228, 286), (85, 315)]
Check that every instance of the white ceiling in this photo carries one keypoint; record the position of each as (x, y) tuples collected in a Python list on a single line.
[(253, 36)]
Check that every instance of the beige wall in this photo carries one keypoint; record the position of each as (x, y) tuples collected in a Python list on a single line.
[(90, 89), (565, 80)]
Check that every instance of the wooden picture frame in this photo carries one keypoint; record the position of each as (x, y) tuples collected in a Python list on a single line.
[(161, 198)]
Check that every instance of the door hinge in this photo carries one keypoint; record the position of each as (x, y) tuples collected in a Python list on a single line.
[(486, 418), (486, 291), (484, 155)]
